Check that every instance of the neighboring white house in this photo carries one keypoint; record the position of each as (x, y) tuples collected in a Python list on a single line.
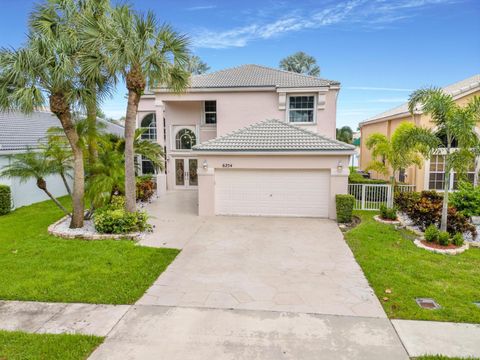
[(251, 140), (18, 132)]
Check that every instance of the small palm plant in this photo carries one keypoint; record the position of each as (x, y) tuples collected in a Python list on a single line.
[(408, 146), (33, 165)]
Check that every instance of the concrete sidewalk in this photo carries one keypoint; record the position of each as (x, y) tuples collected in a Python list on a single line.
[(443, 338), (58, 318)]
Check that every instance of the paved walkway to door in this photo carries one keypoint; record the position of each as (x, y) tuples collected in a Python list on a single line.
[(257, 263)]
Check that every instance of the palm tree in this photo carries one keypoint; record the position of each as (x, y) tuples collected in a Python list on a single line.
[(47, 70), (453, 123), (345, 134), (60, 156), (34, 165), (408, 146), (301, 63), (143, 54), (196, 66)]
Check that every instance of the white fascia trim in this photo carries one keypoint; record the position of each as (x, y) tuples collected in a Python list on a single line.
[(274, 153)]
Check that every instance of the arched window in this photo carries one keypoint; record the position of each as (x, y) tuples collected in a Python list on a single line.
[(185, 139), (150, 125)]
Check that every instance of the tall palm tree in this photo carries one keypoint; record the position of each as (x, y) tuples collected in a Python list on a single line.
[(345, 134), (301, 63), (453, 123), (408, 146), (143, 54), (34, 165)]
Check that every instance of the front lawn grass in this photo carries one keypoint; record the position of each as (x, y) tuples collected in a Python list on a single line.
[(37, 266), (390, 260), (20, 346)]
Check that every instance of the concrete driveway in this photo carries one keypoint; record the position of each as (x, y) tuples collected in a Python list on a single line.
[(252, 288), (258, 263)]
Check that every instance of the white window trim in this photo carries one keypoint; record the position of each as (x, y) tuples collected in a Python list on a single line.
[(204, 124), (426, 180), (173, 138), (155, 128), (287, 109)]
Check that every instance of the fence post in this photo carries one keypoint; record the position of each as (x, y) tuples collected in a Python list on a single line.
[(363, 197), (390, 196)]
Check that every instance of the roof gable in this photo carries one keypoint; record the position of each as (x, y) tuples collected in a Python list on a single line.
[(251, 76), (455, 90), (273, 135)]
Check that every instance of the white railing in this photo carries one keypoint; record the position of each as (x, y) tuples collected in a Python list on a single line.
[(372, 196), (405, 188)]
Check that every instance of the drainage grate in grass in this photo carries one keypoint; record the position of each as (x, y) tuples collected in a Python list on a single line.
[(426, 303), (477, 303)]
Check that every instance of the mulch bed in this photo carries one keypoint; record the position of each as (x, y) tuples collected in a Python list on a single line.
[(438, 246)]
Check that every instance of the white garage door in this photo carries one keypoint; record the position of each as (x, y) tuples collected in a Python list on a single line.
[(272, 192)]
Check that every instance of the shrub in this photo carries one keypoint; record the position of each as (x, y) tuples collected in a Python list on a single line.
[(388, 213), (457, 239), (466, 199), (432, 233), (344, 207), (427, 210), (145, 188), (117, 202), (5, 199), (404, 200), (444, 238), (118, 221), (356, 178)]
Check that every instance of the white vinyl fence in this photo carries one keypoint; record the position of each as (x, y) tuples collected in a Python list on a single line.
[(372, 196)]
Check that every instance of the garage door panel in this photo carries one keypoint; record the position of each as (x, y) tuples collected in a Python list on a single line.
[(272, 192)]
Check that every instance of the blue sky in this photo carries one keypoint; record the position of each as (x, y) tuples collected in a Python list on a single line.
[(379, 50)]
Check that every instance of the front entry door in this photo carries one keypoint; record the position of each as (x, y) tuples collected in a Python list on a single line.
[(186, 173)]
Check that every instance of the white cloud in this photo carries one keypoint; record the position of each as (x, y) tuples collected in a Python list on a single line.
[(201, 7), (366, 13)]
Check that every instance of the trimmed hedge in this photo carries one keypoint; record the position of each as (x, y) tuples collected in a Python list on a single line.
[(5, 200), (344, 205), (356, 178)]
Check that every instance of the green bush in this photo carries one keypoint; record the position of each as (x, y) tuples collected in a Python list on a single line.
[(117, 221), (116, 202), (356, 178), (5, 200), (466, 199), (432, 233), (344, 207), (444, 238), (457, 239), (387, 213)]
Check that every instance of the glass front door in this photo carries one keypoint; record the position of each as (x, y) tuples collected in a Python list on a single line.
[(186, 173)]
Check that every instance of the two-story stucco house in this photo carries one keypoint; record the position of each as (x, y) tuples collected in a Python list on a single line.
[(251, 140), (431, 175)]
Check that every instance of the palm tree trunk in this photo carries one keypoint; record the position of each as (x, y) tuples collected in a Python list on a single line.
[(446, 189), (61, 108), (42, 185), (130, 124), (92, 125), (65, 182)]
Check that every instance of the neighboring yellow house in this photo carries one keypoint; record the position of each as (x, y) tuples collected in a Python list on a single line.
[(431, 175)]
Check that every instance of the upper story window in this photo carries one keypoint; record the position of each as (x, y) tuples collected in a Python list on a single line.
[(185, 139), (150, 125), (301, 109), (210, 112)]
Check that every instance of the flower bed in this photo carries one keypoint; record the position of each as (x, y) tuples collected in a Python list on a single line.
[(439, 249), (386, 221), (87, 232)]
